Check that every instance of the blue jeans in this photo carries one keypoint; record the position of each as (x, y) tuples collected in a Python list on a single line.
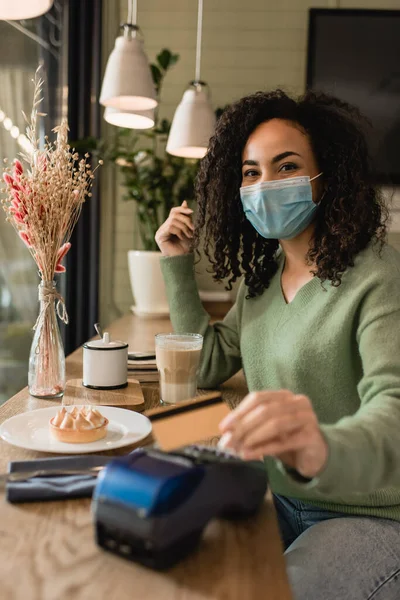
[(333, 556)]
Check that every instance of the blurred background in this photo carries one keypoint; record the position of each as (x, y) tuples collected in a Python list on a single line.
[(341, 47)]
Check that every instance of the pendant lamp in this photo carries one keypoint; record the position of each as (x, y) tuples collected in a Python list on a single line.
[(132, 120), (194, 119), (16, 10), (128, 84)]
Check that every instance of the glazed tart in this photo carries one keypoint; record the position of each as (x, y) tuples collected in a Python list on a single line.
[(78, 426)]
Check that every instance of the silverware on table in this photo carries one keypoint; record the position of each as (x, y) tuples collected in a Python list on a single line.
[(25, 475)]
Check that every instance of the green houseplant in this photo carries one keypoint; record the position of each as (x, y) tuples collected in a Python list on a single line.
[(155, 181)]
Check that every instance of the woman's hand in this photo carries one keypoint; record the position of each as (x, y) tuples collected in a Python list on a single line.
[(279, 424), (175, 235)]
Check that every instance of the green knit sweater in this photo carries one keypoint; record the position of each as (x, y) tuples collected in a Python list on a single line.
[(338, 345)]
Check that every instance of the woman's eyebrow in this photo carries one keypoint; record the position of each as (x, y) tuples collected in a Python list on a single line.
[(276, 159), (283, 155), (252, 163)]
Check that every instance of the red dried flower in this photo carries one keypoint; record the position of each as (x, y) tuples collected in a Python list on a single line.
[(61, 253), (8, 179), (25, 238), (18, 169)]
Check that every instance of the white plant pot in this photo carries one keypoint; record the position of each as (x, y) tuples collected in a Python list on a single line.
[(147, 284)]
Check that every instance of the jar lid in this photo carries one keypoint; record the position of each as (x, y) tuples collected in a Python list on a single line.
[(106, 343)]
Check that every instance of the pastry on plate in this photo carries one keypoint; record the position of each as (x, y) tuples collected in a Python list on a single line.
[(78, 426)]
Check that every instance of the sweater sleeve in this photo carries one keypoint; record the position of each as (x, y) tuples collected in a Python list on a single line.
[(364, 449), (220, 358)]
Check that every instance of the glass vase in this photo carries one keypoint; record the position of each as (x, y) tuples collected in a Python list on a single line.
[(46, 377)]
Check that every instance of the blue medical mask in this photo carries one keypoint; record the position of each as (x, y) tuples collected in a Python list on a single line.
[(279, 210)]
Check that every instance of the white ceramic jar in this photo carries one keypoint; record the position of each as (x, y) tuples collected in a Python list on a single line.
[(105, 364)]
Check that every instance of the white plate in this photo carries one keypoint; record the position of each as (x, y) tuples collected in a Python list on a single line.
[(31, 430)]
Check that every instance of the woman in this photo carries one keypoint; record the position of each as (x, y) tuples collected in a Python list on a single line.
[(284, 197)]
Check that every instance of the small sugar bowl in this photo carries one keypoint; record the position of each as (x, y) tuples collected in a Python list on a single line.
[(105, 364)]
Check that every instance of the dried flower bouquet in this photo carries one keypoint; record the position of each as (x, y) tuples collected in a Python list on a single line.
[(43, 201)]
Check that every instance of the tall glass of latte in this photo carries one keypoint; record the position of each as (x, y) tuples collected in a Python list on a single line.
[(178, 359)]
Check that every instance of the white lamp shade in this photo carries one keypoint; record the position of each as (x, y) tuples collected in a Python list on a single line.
[(127, 82), (15, 10), (193, 125), (122, 118)]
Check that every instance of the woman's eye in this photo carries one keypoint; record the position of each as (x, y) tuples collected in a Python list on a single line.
[(288, 167), (250, 173)]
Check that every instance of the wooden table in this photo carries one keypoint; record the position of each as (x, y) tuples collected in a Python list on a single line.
[(48, 552)]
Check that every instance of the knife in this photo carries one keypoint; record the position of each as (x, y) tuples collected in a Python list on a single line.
[(17, 476)]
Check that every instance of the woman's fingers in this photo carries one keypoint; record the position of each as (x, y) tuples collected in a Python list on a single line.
[(247, 423), (252, 401), (280, 424), (184, 219), (179, 232), (267, 419), (277, 428), (248, 403), (175, 234), (185, 210), (176, 224), (277, 447), (180, 217), (268, 416)]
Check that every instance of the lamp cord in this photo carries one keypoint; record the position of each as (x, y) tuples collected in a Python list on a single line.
[(132, 12), (198, 42)]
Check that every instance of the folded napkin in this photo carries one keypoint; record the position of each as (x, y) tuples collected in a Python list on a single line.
[(58, 487)]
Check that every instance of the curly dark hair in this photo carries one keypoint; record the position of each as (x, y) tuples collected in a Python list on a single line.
[(351, 213)]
